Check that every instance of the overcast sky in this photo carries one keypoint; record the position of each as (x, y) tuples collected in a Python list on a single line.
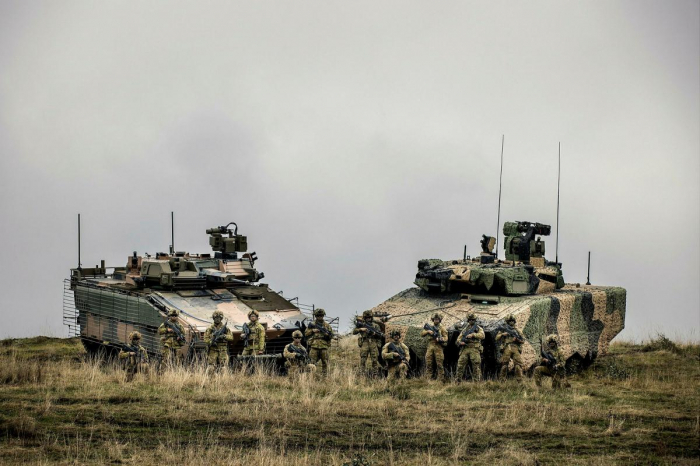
[(348, 140)]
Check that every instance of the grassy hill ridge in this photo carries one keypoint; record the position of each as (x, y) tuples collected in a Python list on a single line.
[(638, 405)]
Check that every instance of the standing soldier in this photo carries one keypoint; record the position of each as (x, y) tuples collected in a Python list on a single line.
[(395, 353), (298, 360), (369, 341), (319, 335), (172, 338), (434, 355), (255, 335), (469, 343), (136, 356), (511, 341), (553, 365), (217, 337)]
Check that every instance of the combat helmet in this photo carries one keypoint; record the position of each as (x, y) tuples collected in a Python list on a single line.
[(173, 313), (552, 338), (217, 315), (436, 316), (253, 312), (319, 312), (471, 317), (134, 336), (297, 334), (395, 333), (510, 318), (367, 314)]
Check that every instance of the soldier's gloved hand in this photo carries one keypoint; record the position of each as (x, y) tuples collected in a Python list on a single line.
[(363, 330), (461, 343), (316, 330)]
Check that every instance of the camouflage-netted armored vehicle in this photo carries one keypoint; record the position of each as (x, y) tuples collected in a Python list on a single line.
[(525, 284), (103, 307)]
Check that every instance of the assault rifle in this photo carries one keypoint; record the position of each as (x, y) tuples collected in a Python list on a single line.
[(472, 330), (436, 333), (246, 335), (327, 334), (549, 357), (397, 349), (371, 331), (512, 332), (133, 349), (176, 330), (300, 353), (218, 335)]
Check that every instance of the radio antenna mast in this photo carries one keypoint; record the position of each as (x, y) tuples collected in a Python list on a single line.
[(79, 263), (558, 180), (172, 232), (500, 184)]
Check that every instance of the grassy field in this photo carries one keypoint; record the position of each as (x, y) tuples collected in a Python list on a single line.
[(638, 405)]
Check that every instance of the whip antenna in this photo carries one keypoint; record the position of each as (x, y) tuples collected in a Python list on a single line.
[(500, 184), (172, 232), (556, 248), (79, 264)]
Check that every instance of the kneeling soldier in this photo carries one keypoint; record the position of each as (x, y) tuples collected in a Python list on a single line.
[(255, 335), (217, 337), (369, 341), (511, 341), (395, 353), (434, 355), (469, 343), (319, 335), (136, 356), (553, 365), (172, 339), (298, 360)]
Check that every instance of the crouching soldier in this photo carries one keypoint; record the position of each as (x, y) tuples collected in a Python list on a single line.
[(217, 337), (511, 341), (469, 344), (254, 336), (552, 365), (298, 360), (172, 338), (434, 355), (370, 338), (396, 355), (135, 355), (319, 335)]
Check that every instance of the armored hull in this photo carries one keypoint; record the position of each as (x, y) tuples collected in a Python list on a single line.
[(585, 317), (103, 306)]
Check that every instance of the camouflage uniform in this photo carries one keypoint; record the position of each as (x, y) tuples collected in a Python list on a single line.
[(369, 344), (398, 369), (470, 353), (256, 343), (171, 345), (217, 354), (557, 371), (135, 361), (296, 364), (510, 350), (434, 355), (318, 342)]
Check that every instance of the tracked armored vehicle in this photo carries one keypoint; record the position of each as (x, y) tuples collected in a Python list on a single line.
[(526, 285), (103, 305)]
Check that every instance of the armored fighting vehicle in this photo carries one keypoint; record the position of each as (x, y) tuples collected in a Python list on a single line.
[(103, 306), (525, 284)]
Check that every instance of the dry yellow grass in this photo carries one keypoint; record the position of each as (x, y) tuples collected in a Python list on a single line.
[(633, 406)]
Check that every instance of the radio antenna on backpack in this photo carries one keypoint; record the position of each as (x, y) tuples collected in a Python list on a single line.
[(500, 184), (556, 247)]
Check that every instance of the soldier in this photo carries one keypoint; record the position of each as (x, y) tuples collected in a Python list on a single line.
[(434, 355), (298, 360), (255, 344), (397, 357), (136, 356), (511, 341), (217, 337), (469, 343), (369, 342), (171, 340), (319, 335), (552, 365)]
